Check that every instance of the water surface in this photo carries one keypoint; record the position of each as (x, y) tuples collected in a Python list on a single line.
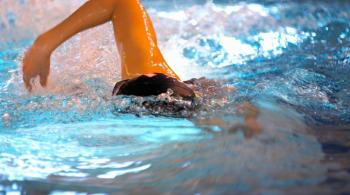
[(289, 59)]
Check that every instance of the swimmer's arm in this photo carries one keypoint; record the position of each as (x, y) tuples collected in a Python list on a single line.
[(37, 60), (91, 14)]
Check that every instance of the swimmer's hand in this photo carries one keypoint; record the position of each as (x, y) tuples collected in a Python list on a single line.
[(36, 63)]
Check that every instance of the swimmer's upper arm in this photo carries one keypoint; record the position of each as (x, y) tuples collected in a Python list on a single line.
[(107, 3)]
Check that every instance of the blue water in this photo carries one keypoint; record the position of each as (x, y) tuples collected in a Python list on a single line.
[(289, 59)]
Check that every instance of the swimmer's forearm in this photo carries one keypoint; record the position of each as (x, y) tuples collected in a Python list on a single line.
[(92, 13)]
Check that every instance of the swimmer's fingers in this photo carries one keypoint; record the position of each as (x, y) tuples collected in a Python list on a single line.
[(43, 80), (44, 74), (27, 71), (27, 82), (26, 77)]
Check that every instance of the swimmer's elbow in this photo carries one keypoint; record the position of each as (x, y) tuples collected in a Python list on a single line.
[(106, 3)]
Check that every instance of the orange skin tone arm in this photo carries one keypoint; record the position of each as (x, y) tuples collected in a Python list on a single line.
[(134, 34)]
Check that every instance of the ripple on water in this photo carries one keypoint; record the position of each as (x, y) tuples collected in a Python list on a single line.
[(68, 148)]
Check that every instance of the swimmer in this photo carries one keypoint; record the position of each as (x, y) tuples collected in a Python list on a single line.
[(143, 67), (144, 70)]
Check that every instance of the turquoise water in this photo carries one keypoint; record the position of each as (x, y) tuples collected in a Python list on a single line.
[(291, 60)]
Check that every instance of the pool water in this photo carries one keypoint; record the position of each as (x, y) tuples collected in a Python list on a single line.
[(289, 59)]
